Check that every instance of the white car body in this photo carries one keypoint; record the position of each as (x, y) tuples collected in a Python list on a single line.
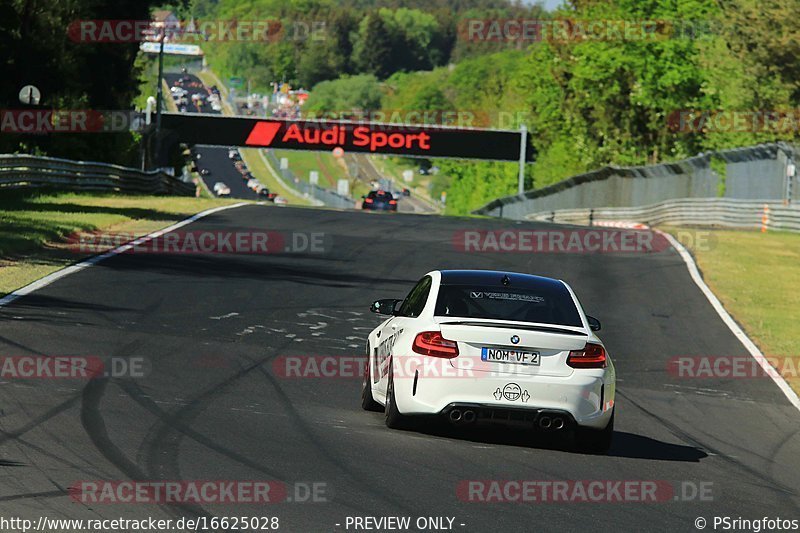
[(253, 183), (220, 189), (553, 390)]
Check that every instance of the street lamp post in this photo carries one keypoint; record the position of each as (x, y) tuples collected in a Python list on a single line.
[(159, 94)]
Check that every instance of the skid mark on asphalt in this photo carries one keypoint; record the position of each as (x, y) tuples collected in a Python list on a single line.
[(95, 427), (367, 482), (175, 421)]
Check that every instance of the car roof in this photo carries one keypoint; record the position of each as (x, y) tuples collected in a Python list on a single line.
[(494, 278)]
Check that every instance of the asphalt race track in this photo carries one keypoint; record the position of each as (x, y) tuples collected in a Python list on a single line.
[(214, 158), (211, 407)]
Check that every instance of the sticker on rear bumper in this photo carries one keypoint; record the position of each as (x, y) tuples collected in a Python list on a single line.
[(512, 392)]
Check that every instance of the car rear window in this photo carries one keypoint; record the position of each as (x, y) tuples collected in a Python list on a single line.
[(547, 305), (382, 195)]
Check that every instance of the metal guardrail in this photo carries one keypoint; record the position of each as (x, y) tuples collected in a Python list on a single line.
[(27, 171), (753, 173), (742, 214)]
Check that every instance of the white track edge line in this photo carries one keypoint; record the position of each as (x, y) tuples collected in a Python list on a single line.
[(694, 272), (86, 263)]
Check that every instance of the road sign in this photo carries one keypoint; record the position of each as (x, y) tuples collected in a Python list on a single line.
[(361, 137), (171, 49)]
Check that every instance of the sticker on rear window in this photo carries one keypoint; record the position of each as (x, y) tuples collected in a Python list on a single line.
[(507, 296)]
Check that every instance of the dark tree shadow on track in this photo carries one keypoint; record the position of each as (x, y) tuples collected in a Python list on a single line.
[(264, 268), (627, 445)]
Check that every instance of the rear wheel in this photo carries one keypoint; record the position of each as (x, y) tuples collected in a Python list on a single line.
[(595, 441), (368, 403), (394, 419)]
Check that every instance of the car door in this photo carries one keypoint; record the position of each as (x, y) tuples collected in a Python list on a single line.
[(409, 310)]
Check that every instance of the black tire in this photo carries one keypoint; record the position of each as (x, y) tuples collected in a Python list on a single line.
[(368, 403), (595, 441), (394, 419)]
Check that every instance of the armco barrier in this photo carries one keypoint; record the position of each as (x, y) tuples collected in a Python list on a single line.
[(26, 171), (755, 173), (742, 214)]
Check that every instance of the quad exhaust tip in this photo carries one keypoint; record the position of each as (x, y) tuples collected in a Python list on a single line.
[(455, 415)]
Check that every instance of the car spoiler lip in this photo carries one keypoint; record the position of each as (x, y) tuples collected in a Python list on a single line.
[(508, 325)]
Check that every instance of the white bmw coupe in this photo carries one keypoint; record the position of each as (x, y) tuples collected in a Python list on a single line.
[(478, 347)]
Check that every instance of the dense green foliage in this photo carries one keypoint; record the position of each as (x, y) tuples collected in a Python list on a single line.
[(591, 103), (35, 49), (587, 102), (324, 39)]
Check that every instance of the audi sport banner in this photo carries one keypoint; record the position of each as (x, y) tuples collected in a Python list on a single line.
[(367, 137)]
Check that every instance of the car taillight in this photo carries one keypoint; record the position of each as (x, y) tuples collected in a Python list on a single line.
[(392, 202), (368, 200), (592, 356), (432, 343)]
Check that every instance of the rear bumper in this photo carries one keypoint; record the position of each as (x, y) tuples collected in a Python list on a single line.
[(378, 207), (532, 418), (586, 397)]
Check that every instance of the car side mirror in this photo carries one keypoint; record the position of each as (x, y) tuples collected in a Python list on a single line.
[(594, 324), (387, 306), (363, 196)]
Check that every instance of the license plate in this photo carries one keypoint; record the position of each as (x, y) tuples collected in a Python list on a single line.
[(502, 355)]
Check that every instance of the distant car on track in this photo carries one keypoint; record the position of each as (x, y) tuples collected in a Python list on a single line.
[(220, 189), (527, 353), (268, 195), (379, 200)]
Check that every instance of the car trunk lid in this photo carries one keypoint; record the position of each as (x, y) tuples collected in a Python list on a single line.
[(489, 346)]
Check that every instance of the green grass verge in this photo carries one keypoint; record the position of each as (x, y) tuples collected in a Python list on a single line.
[(33, 226), (302, 163), (395, 166), (756, 276), (258, 167)]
